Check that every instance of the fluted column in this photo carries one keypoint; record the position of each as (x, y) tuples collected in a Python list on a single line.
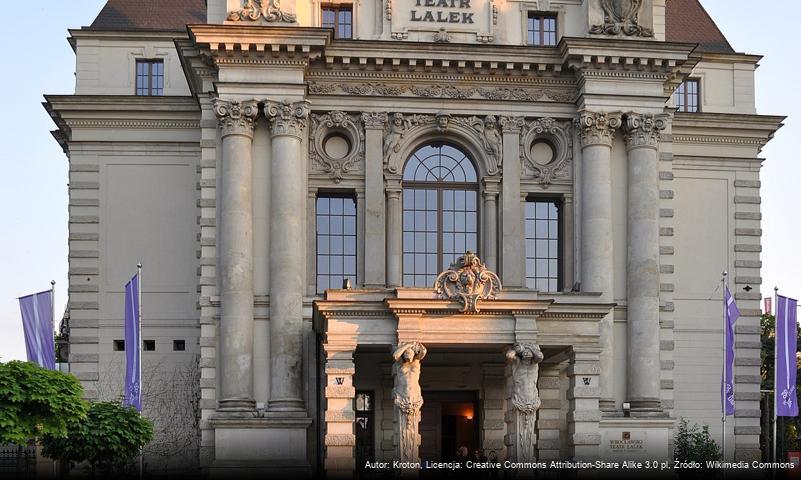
[(642, 264), (236, 254), (375, 204), (489, 249), (512, 243), (287, 254), (597, 134), (394, 232)]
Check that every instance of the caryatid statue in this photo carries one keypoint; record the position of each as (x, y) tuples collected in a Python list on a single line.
[(408, 398), (524, 359)]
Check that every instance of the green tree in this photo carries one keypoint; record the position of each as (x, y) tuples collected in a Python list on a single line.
[(693, 443), (37, 402), (110, 436)]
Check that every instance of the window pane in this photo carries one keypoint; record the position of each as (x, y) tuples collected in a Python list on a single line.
[(542, 245), (336, 241)]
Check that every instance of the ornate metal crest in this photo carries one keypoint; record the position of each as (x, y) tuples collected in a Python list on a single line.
[(256, 9), (468, 281), (621, 16)]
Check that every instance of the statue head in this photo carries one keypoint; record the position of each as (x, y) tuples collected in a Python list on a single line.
[(408, 352), (529, 352)]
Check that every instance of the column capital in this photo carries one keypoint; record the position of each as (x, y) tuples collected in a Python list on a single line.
[(287, 119), (598, 128), (236, 118), (374, 120), (512, 124), (643, 129)]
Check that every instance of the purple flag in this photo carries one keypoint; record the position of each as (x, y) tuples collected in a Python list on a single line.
[(727, 385), (37, 323), (786, 339), (133, 370)]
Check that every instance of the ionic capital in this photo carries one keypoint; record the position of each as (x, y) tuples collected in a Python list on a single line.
[(597, 128), (512, 124), (374, 121), (287, 119), (643, 129), (236, 118)]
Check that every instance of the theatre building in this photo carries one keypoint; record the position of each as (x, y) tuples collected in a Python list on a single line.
[(382, 230)]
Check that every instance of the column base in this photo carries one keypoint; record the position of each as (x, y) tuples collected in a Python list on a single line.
[(286, 405), (237, 405), (646, 405)]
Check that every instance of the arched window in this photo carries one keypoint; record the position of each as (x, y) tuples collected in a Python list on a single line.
[(440, 218)]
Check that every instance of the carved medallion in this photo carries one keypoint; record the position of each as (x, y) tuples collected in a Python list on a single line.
[(546, 150), (622, 17), (468, 281), (270, 10), (337, 143)]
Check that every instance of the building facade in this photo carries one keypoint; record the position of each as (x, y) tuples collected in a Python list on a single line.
[(382, 230)]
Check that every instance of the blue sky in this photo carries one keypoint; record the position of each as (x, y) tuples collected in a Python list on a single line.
[(33, 185)]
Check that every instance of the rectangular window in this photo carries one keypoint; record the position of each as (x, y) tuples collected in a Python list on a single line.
[(150, 77), (149, 345), (688, 96), (178, 345), (336, 241), (340, 18), (541, 29), (543, 265), (119, 345)]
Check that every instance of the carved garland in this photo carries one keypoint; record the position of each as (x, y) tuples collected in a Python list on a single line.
[(559, 136), (468, 281), (323, 126)]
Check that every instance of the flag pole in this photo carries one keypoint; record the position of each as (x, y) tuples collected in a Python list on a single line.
[(53, 314), (141, 349), (725, 373), (775, 364)]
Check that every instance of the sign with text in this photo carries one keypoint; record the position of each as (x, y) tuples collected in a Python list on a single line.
[(443, 20)]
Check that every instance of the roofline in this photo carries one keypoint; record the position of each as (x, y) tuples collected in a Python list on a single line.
[(716, 26)]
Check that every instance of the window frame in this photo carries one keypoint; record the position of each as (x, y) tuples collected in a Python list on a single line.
[(685, 96), (540, 18), (337, 8), (439, 187), (148, 77), (559, 203), (349, 195)]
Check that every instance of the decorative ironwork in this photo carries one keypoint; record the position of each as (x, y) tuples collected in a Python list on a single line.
[(468, 281)]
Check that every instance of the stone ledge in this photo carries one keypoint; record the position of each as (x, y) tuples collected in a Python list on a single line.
[(748, 232), (743, 247), (753, 200), (748, 264), (748, 216)]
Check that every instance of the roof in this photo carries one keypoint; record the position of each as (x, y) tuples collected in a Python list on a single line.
[(155, 15), (687, 20)]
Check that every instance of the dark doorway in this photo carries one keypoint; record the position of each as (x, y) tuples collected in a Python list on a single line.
[(449, 420)]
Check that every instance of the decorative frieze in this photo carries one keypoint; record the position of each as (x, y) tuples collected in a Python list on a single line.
[(516, 94), (598, 128), (236, 118), (337, 143), (269, 10), (643, 130), (287, 118)]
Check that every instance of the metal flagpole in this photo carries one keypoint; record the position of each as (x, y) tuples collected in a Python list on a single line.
[(775, 362), (141, 349), (725, 373)]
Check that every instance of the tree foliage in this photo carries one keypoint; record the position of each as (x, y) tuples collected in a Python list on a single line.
[(37, 402), (693, 443), (110, 436)]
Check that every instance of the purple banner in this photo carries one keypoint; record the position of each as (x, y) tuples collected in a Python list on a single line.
[(727, 384), (786, 363), (133, 344), (37, 323)]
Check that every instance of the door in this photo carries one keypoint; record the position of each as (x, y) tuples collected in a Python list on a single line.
[(449, 420)]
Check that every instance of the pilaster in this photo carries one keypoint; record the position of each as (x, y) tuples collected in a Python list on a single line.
[(340, 436), (375, 203), (583, 394), (394, 228), (490, 223), (512, 251)]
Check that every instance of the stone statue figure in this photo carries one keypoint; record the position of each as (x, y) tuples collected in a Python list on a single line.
[(492, 136), (524, 359), (408, 398), (393, 137)]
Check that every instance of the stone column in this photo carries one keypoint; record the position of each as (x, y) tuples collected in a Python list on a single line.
[(489, 250), (597, 134), (512, 243), (523, 361), (394, 232), (340, 436), (583, 415), (287, 254), (408, 399), (236, 255), (642, 265), (375, 229)]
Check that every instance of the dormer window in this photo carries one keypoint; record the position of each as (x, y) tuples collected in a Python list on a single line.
[(687, 97), (340, 18), (150, 77), (541, 29)]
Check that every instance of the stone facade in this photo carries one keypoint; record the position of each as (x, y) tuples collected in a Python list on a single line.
[(213, 186)]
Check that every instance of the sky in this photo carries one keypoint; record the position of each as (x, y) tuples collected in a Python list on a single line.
[(33, 169)]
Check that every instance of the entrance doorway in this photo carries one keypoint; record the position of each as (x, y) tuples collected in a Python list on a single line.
[(449, 420)]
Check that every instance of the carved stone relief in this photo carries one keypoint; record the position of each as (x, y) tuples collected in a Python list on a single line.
[(408, 399), (468, 281), (524, 359), (532, 94), (270, 10), (287, 118), (555, 138), (236, 118), (622, 17), (337, 143), (643, 130)]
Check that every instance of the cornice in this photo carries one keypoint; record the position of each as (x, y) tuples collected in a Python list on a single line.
[(725, 128), (130, 35), (260, 40)]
